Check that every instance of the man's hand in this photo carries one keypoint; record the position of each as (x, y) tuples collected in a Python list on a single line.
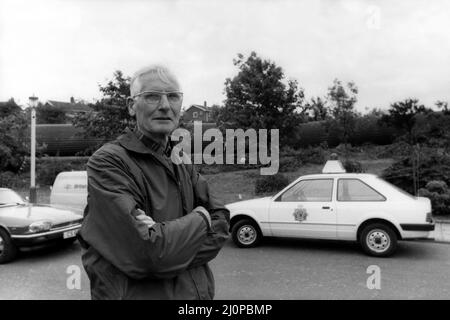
[(205, 213), (142, 217)]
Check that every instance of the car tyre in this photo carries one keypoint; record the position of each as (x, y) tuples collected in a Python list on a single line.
[(8, 250), (378, 240), (246, 234)]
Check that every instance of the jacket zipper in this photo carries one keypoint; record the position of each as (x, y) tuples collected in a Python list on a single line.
[(176, 179)]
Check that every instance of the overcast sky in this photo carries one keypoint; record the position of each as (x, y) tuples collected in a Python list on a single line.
[(391, 49)]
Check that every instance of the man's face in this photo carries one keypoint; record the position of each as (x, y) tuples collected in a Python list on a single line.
[(159, 118)]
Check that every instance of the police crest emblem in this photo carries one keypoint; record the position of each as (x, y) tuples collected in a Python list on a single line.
[(300, 214)]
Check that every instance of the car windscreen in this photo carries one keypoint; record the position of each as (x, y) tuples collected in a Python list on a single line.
[(10, 197)]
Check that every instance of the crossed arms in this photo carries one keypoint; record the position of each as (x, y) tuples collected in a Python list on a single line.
[(132, 241)]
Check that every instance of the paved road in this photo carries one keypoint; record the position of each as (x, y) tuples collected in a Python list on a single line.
[(279, 269)]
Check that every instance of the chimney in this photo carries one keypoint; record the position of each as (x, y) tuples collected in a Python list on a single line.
[(205, 104), (72, 100)]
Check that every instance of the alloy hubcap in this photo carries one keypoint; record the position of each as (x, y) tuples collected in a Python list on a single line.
[(378, 240), (247, 235), (2, 246)]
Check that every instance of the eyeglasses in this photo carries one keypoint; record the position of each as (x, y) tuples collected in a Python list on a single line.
[(154, 97)]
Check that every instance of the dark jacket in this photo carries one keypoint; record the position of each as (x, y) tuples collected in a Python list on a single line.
[(170, 262)]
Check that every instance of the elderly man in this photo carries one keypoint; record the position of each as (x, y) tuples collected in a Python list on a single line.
[(151, 224)]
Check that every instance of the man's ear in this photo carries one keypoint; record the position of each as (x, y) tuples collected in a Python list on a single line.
[(131, 106)]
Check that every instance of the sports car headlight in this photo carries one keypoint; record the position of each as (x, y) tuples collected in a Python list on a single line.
[(40, 226)]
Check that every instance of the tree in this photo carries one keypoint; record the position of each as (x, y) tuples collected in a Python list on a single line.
[(8, 108), (14, 141), (49, 114), (319, 108), (215, 111), (433, 130), (444, 106), (403, 116), (260, 97), (342, 100), (110, 115)]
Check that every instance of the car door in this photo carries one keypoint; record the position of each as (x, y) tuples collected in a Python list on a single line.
[(305, 210), (355, 198)]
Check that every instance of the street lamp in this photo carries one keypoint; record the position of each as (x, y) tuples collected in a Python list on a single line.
[(33, 104)]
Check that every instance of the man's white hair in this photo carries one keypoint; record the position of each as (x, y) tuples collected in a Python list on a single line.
[(158, 71)]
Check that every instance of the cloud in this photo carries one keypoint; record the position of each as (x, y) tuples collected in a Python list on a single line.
[(62, 48)]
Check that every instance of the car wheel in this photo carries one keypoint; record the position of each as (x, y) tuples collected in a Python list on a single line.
[(378, 240), (8, 249), (246, 234)]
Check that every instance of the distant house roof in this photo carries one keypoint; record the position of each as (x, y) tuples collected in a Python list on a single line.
[(68, 106), (198, 106)]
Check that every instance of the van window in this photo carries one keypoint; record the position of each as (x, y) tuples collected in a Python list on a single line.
[(70, 184)]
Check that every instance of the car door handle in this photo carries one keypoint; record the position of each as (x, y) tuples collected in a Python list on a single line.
[(326, 208)]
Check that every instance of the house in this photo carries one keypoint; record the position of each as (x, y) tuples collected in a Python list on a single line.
[(197, 112), (70, 108)]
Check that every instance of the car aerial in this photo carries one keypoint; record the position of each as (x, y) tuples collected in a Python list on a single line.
[(335, 205), (26, 225)]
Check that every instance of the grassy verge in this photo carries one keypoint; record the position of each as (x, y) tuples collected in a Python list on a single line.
[(240, 185)]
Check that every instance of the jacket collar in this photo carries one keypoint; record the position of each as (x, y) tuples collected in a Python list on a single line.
[(137, 142)]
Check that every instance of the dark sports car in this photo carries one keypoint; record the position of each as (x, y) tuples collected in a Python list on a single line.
[(26, 225)]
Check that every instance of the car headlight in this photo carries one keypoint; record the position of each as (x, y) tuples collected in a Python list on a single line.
[(40, 226)]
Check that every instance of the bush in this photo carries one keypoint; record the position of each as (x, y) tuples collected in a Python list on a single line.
[(6, 179), (368, 129), (14, 181), (289, 164), (275, 183), (439, 194), (47, 170), (432, 166), (291, 160), (311, 134), (437, 186), (352, 166), (397, 149), (315, 155)]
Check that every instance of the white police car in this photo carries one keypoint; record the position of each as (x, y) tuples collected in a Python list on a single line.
[(335, 205)]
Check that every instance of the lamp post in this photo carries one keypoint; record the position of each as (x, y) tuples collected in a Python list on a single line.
[(33, 104)]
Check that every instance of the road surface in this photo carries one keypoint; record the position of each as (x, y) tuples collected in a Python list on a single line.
[(278, 269)]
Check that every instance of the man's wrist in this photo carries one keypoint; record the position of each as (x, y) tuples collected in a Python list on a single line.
[(206, 217)]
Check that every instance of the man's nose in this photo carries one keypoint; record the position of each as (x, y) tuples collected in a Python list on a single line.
[(164, 102)]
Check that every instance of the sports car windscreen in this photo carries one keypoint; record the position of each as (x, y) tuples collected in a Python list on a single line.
[(10, 197)]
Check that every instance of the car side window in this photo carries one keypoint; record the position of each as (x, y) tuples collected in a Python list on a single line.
[(356, 190), (309, 190)]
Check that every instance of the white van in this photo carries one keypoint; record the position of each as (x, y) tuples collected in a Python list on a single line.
[(69, 191)]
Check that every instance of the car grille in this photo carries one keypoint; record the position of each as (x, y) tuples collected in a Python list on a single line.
[(66, 224)]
